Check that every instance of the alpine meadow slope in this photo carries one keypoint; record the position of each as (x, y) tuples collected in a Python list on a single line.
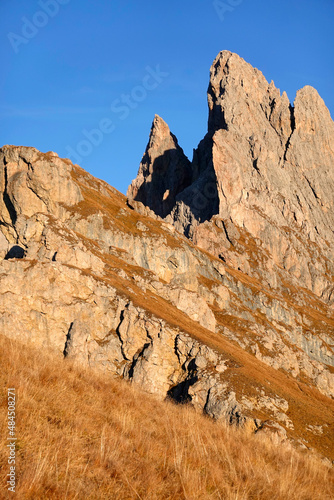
[(82, 434)]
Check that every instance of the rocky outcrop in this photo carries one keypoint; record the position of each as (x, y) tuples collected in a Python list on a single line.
[(240, 324), (164, 167)]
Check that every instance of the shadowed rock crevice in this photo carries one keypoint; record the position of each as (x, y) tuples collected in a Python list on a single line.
[(7, 201), (216, 119), (196, 204), (68, 342), (136, 358), (117, 329), (293, 127)]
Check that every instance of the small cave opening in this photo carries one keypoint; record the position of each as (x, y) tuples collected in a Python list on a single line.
[(16, 252)]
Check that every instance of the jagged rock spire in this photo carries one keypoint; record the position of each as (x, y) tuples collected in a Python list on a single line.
[(164, 171)]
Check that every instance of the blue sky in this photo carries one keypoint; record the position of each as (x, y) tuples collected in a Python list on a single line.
[(85, 78)]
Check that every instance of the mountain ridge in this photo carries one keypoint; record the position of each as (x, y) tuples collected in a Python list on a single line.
[(206, 284)]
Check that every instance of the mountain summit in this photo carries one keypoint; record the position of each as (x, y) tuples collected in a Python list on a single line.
[(264, 173)]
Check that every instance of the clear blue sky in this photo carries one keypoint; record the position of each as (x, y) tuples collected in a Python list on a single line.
[(70, 74)]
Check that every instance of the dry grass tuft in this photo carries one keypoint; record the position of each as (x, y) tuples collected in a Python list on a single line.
[(83, 435)]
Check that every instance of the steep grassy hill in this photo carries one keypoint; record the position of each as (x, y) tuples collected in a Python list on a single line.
[(86, 435)]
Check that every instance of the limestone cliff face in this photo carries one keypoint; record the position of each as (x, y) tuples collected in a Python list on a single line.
[(264, 174), (241, 328), (261, 197)]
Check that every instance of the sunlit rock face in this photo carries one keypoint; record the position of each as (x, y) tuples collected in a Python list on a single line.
[(264, 175)]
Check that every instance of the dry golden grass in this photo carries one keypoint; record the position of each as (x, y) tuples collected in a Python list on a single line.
[(85, 435)]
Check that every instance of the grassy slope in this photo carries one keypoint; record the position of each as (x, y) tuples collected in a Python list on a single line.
[(84, 435)]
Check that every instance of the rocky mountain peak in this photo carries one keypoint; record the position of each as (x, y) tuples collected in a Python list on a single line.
[(164, 167), (240, 98), (264, 172), (160, 132)]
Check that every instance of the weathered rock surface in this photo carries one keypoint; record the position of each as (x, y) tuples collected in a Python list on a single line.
[(242, 330), (265, 170), (261, 200)]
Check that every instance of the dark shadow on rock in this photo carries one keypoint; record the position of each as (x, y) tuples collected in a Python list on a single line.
[(216, 120), (7, 201), (200, 200), (170, 174), (69, 341), (202, 196), (180, 392), (174, 181), (16, 252)]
